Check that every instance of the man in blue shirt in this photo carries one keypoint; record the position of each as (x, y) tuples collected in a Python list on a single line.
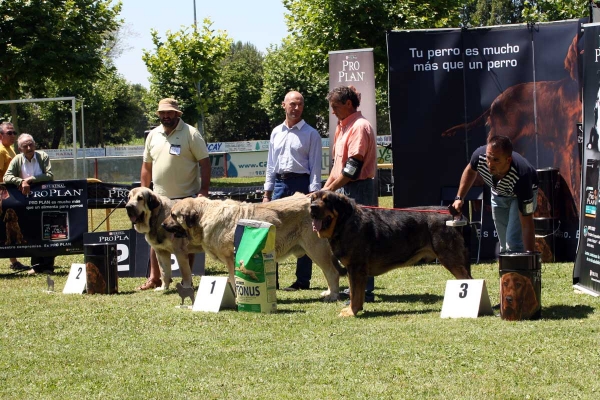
[(294, 165)]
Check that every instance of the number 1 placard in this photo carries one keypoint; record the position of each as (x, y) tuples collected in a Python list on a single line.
[(466, 298), (214, 293), (76, 280)]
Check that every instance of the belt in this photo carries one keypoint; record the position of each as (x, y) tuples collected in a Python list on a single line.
[(289, 175)]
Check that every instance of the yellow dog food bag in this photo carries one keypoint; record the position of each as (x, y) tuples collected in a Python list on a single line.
[(255, 271)]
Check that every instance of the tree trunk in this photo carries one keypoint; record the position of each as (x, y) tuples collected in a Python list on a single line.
[(13, 110), (57, 135)]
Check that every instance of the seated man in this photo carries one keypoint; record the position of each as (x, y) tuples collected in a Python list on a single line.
[(30, 166)]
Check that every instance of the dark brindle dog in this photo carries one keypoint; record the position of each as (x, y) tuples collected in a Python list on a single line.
[(372, 241)]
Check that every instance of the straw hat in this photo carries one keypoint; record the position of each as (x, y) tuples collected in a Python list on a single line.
[(168, 104)]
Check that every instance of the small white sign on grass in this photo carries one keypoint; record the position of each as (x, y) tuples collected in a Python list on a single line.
[(214, 293), (466, 298), (77, 280)]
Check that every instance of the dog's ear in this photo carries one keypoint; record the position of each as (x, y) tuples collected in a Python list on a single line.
[(344, 205), (530, 302), (153, 200), (191, 218), (315, 195), (571, 60)]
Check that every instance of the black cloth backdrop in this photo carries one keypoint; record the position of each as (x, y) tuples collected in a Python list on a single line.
[(437, 108)]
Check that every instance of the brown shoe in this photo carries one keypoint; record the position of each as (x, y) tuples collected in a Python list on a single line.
[(150, 284)]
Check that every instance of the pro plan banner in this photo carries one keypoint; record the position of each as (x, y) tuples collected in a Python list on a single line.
[(50, 221), (450, 88), (586, 273), (354, 68), (107, 195)]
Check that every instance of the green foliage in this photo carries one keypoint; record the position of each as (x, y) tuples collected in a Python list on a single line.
[(320, 26), (295, 67), (238, 115), (55, 40), (61, 48), (499, 12), (186, 66)]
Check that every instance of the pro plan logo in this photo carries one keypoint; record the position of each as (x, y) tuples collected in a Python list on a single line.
[(116, 236), (53, 186)]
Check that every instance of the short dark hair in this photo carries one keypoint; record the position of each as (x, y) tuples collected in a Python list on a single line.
[(4, 125), (501, 143), (343, 94)]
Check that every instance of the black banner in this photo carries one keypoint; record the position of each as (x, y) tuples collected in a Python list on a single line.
[(586, 273), (50, 221), (107, 195), (450, 88)]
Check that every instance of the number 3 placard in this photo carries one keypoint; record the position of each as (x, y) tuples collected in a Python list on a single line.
[(76, 280), (467, 298), (214, 293)]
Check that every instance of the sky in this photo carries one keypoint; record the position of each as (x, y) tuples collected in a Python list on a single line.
[(260, 22)]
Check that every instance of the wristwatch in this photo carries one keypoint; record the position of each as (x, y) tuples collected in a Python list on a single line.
[(458, 198)]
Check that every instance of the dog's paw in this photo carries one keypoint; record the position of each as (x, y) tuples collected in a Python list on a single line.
[(329, 297), (160, 288), (347, 312)]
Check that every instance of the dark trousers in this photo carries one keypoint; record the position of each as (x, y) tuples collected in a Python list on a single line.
[(285, 188), (41, 264), (363, 192)]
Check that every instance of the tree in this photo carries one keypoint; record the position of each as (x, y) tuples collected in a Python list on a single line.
[(320, 26), (113, 112), (52, 40), (499, 12), (186, 66), (293, 66), (239, 115)]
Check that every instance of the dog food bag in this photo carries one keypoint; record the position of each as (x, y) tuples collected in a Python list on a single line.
[(255, 272)]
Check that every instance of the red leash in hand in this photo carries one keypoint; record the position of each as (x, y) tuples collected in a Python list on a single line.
[(407, 209)]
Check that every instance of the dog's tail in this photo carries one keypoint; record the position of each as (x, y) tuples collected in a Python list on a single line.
[(341, 270), (480, 121)]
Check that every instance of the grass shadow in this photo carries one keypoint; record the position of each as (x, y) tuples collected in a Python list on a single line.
[(425, 298), (391, 313), (562, 312)]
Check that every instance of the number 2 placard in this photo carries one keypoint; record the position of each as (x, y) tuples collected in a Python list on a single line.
[(77, 280), (214, 293), (466, 298)]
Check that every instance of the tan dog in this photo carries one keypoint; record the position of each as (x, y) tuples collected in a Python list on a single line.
[(147, 211), (13, 230), (518, 300), (213, 224)]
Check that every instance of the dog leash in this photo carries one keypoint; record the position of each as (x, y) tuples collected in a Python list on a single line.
[(108, 216), (407, 209)]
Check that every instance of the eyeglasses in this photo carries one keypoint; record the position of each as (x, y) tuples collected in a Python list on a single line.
[(10, 133)]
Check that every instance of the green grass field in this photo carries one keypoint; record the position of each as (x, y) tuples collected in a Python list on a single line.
[(139, 345)]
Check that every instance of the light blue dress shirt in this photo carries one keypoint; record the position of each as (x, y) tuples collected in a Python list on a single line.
[(294, 149)]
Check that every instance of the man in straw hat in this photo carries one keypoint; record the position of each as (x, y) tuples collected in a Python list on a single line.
[(176, 162)]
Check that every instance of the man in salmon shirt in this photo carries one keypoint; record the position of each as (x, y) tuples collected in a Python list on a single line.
[(354, 155)]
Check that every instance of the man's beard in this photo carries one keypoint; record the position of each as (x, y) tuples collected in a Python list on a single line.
[(169, 122)]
